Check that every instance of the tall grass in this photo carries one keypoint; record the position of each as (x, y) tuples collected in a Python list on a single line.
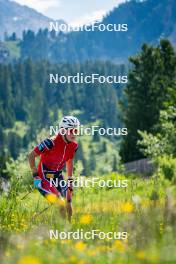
[(145, 210)]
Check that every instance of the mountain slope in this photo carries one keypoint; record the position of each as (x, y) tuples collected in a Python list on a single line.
[(148, 21), (16, 18)]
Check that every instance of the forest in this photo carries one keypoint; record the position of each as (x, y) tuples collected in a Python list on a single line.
[(27, 93), (144, 210)]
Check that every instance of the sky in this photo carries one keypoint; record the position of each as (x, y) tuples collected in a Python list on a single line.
[(74, 12)]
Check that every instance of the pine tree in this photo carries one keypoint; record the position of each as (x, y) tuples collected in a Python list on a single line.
[(14, 144), (114, 164), (80, 156), (104, 147), (150, 86)]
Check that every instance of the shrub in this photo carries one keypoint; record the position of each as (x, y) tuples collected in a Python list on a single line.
[(167, 166)]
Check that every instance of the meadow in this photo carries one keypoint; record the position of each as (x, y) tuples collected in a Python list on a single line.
[(145, 210)]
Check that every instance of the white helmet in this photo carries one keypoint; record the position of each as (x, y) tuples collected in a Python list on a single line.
[(69, 122)]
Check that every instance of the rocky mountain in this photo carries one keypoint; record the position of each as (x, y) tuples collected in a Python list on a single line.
[(16, 18), (147, 21)]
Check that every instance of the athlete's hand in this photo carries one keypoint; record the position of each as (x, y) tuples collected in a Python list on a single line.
[(70, 189), (37, 182), (35, 172), (70, 184)]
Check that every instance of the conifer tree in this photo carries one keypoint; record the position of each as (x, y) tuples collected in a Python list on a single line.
[(150, 89)]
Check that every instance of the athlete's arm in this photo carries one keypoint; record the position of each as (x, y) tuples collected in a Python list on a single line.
[(31, 158), (69, 167), (44, 146), (69, 164)]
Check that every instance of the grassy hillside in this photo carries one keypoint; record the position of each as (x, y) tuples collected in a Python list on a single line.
[(145, 210)]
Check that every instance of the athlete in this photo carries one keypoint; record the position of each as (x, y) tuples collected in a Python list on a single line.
[(54, 154)]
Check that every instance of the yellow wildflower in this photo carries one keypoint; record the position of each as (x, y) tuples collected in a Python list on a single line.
[(86, 219), (80, 246), (141, 255), (127, 207), (119, 246), (29, 260), (52, 198)]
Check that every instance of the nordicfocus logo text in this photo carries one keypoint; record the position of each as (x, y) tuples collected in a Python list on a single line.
[(87, 235), (89, 131), (97, 26), (81, 182), (82, 78)]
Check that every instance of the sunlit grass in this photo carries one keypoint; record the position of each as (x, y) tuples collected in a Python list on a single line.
[(149, 221)]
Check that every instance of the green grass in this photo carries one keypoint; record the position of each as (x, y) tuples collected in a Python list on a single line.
[(20, 128), (14, 48), (150, 224)]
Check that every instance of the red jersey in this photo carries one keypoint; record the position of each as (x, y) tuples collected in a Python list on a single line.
[(55, 152)]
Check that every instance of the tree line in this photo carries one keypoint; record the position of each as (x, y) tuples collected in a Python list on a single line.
[(26, 96)]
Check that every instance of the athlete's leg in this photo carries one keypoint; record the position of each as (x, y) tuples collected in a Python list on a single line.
[(62, 211), (48, 189), (69, 193), (46, 186), (69, 210)]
